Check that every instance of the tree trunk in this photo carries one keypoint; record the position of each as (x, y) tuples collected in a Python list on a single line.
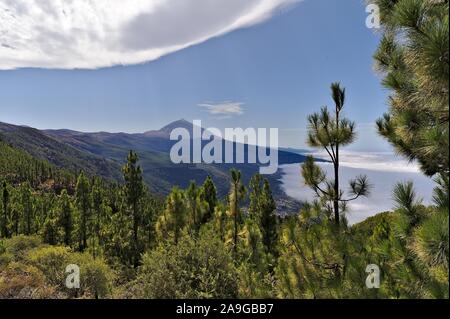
[(5, 223), (235, 236), (194, 219), (66, 237), (336, 193), (84, 235), (336, 174), (16, 227), (135, 223), (235, 222), (28, 224), (135, 236)]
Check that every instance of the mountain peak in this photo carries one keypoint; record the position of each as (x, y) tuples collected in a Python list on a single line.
[(177, 124), (166, 130)]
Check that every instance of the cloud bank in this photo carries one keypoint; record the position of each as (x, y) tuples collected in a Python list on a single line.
[(384, 170), (92, 34)]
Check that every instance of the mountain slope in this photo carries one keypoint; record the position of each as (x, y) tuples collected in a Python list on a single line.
[(41, 146)]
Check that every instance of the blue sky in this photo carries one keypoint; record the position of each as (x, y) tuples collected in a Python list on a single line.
[(274, 73)]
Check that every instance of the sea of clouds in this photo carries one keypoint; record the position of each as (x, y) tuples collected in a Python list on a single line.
[(384, 170)]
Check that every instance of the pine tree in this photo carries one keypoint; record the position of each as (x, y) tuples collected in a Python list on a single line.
[(413, 57), (221, 221), (269, 221), (173, 220), (66, 218), (152, 206), (15, 220), (84, 208), (27, 208), (262, 210), (5, 202), (209, 195), (196, 206), (331, 132), (97, 209), (255, 190), (50, 228), (118, 242), (416, 248), (134, 191), (237, 194), (255, 267)]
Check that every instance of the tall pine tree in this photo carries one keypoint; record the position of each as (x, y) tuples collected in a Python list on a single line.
[(209, 195), (5, 215), (134, 191), (82, 191), (27, 208), (237, 193), (174, 217), (66, 217), (331, 131), (268, 221)]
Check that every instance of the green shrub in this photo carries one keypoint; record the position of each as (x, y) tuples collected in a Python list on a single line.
[(52, 261), (21, 281), (96, 277), (5, 259), (193, 269), (18, 246)]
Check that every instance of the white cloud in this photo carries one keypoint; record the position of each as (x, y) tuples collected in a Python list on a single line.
[(225, 109), (101, 33), (374, 161)]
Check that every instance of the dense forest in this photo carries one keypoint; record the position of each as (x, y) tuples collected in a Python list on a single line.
[(131, 243)]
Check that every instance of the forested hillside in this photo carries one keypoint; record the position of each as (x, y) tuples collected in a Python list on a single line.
[(61, 155), (17, 167)]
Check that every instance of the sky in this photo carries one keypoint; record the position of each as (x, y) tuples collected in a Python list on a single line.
[(137, 65)]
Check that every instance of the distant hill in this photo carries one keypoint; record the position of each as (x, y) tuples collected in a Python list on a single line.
[(42, 146), (104, 153)]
